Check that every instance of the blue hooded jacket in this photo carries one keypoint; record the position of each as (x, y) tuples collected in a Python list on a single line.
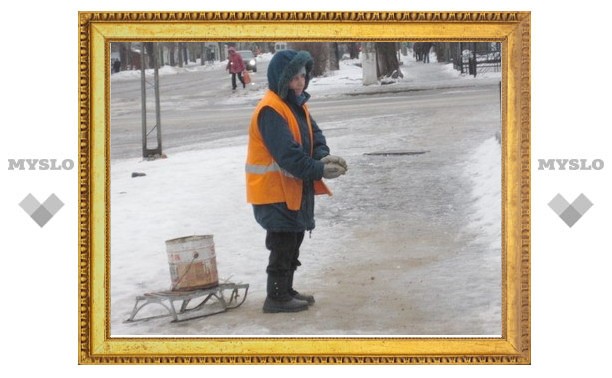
[(288, 154)]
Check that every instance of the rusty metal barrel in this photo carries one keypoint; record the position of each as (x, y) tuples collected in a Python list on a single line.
[(192, 261)]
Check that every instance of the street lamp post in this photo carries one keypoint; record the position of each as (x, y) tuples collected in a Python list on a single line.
[(147, 152)]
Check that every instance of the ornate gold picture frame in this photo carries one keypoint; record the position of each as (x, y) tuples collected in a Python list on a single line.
[(97, 30)]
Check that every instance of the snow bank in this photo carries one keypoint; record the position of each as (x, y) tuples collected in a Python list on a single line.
[(483, 169)]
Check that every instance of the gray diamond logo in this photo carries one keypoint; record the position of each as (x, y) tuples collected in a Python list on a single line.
[(570, 213), (41, 213)]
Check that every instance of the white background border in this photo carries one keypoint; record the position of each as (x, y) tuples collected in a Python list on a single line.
[(570, 266)]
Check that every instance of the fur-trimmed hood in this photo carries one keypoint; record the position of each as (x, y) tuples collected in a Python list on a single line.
[(285, 64)]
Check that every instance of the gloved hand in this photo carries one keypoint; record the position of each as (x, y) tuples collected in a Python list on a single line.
[(333, 170), (335, 159)]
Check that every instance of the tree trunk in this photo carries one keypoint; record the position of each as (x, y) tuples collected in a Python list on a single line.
[(334, 59), (148, 49), (180, 54), (353, 48), (130, 57), (172, 49), (124, 53), (185, 54), (221, 52), (386, 59), (368, 64)]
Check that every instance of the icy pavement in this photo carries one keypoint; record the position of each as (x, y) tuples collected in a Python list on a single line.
[(408, 245)]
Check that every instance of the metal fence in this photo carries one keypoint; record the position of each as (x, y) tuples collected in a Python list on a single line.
[(474, 58)]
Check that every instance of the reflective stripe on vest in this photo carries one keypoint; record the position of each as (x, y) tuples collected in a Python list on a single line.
[(263, 169)]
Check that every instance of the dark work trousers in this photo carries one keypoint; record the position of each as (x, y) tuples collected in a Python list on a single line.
[(284, 251), (239, 78)]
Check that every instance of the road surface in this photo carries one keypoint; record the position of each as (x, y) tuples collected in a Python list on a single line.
[(193, 109)]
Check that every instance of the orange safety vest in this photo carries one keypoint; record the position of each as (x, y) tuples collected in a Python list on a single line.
[(266, 181)]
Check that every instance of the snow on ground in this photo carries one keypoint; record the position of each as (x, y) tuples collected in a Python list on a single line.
[(483, 169), (189, 67), (345, 81), (425, 260)]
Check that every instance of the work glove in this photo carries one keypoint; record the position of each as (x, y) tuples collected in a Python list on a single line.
[(332, 170), (335, 159)]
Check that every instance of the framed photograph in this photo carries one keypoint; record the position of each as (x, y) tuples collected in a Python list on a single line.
[(420, 256)]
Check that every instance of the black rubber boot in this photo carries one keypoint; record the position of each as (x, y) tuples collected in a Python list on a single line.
[(302, 297), (278, 298)]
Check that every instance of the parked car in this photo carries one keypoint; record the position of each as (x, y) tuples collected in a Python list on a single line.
[(249, 60)]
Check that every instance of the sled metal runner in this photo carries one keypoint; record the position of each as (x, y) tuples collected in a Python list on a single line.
[(214, 300)]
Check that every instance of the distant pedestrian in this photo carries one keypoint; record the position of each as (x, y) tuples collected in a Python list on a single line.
[(286, 160), (116, 65), (235, 66)]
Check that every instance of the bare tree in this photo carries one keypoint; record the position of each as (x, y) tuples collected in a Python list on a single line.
[(386, 59), (319, 52), (221, 51), (171, 51), (186, 53), (148, 49), (334, 56), (124, 54), (368, 63), (353, 50), (443, 51), (180, 54)]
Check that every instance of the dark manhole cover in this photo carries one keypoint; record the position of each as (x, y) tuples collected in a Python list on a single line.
[(394, 153)]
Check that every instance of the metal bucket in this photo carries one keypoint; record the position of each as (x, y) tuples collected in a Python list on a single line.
[(193, 263)]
